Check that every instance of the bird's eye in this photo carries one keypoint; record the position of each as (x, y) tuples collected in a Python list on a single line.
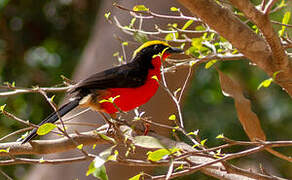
[(155, 47)]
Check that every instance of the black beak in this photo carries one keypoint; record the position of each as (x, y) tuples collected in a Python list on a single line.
[(174, 50)]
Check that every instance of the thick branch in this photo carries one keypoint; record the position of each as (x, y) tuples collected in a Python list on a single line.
[(252, 45), (52, 146)]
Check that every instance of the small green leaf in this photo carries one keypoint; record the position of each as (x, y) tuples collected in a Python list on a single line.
[(80, 146), (265, 83), (132, 22), (285, 20), (192, 63), (140, 37), (187, 24), (45, 128), (113, 157), (42, 160), (158, 154), (5, 150), (176, 91), (174, 9), (195, 133), (137, 177), (171, 36), (220, 136), (125, 43), (107, 138), (210, 63), (154, 77), (116, 54), (52, 98), (147, 142), (2, 107), (179, 168), (276, 73), (140, 8), (172, 117), (107, 15), (203, 142), (13, 84), (94, 146)]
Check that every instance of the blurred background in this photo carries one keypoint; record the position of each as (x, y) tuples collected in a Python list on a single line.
[(42, 40)]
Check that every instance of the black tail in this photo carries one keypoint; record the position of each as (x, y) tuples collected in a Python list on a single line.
[(53, 118)]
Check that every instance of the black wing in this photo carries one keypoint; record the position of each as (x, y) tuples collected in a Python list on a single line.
[(126, 76)]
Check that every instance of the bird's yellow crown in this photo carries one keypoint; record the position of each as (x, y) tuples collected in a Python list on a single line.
[(149, 43)]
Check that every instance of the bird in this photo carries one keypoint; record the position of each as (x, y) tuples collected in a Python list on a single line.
[(128, 86)]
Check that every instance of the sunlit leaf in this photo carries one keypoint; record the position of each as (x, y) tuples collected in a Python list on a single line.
[(220, 136), (80, 146), (174, 9), (107, 15), (140, 8), (203, 142), (137, 177), (172, 117), (147, 142), (42, 160), (285, 20), (187, 24), (265, 83), (210, 63), (158, 154), (2, 107), (45, 128), (154, 77)]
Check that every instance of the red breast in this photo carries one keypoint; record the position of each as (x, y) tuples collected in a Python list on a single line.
[(130, 98)]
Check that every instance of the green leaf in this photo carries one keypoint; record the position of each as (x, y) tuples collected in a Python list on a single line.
[(107, 138), (172, 117), (116, 54), (192, 63), (42, 160), (276, 73), (147, 142), (265, 83), (174, 9), (137, 177), (94, 146), (2, 107), (282, 4), (187, 24), (158, 154), (132, 22), (140, 8), (210, 63), (171, 36), (285, 20), (113, 157), (107, 15), (176, 91), (45, 128), (100, 173), (140, 37), (5, 150), (80, 146), (203, 142), (154, 77), (52, 98), (220, 136), (195, 133)]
